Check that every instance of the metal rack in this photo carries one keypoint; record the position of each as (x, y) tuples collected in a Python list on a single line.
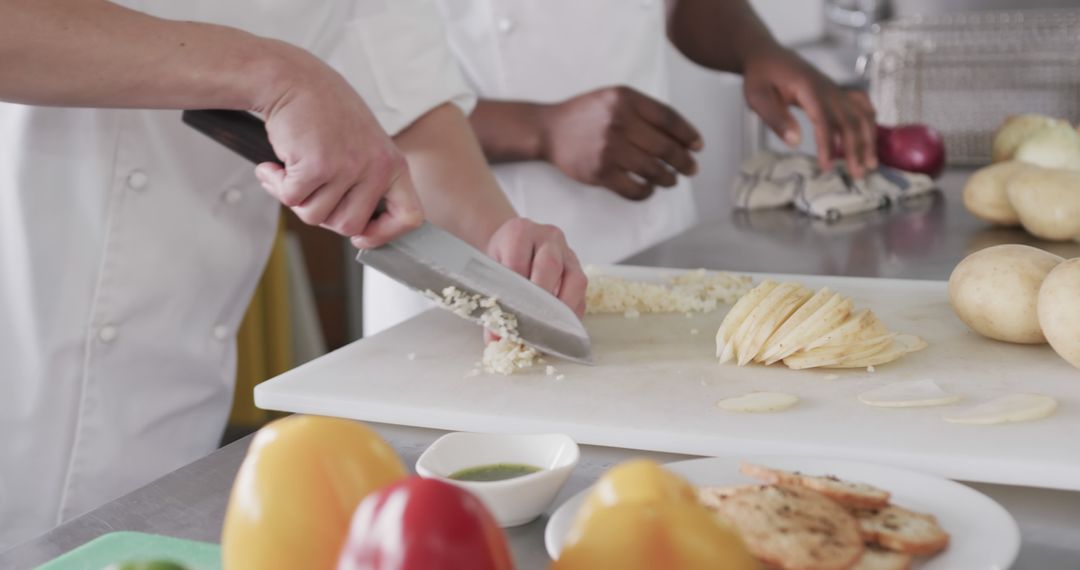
[(964, 73)]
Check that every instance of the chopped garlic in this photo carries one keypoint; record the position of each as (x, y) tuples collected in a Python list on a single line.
[(508, 355), (503, 356), (560, 376), (411, 356), (871, 369), (549, 370), (697, 291)]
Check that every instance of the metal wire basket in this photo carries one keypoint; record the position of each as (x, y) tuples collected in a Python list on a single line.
[(963, 74)]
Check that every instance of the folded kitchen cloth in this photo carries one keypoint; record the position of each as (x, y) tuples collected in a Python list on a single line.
[(772, 180)]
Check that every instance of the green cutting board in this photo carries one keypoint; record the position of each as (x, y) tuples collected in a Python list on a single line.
[(131, 546)]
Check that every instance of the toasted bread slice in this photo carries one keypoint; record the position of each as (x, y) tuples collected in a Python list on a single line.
[(875, 558), (710, 497), (793, 528), (899, 529), (856, 495)]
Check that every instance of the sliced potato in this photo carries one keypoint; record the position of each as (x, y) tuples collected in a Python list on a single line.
[(758, 402), (828, 317), (753, 321), (804, 312), (892, 352), (1006, 409), (806, 329), (824, 356), (909, 394), (788, 305), (852, 329), (738, 313)]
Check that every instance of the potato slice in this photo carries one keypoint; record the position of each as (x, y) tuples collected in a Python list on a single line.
[(753, 321), (785, 307), (909, 394), (828, 317), (824, 356), (901, 345), (1011, 408), (852, 329), (807, 310), (758, 402), (738, 314), (893, 351)]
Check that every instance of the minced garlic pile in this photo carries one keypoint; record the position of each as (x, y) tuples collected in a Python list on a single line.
[(503, 356), (694, 291)]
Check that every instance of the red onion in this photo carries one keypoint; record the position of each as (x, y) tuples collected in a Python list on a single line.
[(913, 148)]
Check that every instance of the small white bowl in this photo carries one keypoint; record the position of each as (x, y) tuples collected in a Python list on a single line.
[(513, 501)]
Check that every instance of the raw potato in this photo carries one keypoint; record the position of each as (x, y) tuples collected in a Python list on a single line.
[(1015, 130), (1047, 202), (758, 402), (995, 290), (1057, 146), (806, 330), (984, 193), (1006, 409), (1059, 310), (908, 394)]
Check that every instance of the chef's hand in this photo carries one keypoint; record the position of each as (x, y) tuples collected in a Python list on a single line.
[(620, 139), (777, 78), (540, 253), (338, 161)]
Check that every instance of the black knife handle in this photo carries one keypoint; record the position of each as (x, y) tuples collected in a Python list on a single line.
[(243, 133), (240, 132)]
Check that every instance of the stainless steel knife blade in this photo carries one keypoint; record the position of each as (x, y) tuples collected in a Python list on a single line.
[(429, 258)]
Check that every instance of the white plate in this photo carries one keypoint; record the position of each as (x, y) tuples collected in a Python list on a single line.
[(984, 535)]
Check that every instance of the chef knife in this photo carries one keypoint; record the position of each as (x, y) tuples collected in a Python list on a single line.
[(428, 258)]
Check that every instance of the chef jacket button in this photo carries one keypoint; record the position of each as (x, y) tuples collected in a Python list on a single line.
[(232, 196), (137, 180), (107, 333), (221, 332), (505, 25)]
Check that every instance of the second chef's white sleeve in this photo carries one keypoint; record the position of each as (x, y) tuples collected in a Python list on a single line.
[(395, 54)]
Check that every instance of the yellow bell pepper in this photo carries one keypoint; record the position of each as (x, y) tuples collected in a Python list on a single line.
[(297, 489), (640, 516)]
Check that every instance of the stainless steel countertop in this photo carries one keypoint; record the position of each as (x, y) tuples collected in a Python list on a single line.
[(920, 241), (923, 240)]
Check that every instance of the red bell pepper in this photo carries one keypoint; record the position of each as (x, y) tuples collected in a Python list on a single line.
[(424, 524)]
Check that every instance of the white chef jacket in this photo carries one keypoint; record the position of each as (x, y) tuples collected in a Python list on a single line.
[(549, 51), (129, 249)]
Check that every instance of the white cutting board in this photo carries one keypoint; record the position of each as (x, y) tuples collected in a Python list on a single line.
[(655, 386)]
